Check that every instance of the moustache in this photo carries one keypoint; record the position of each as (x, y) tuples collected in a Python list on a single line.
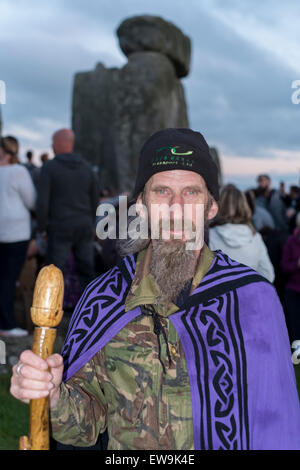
[(174, 229)]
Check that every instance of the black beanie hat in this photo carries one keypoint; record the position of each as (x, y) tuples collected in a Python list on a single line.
[(177, 149)]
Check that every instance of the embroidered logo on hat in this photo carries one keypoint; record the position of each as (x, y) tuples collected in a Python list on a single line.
[(174, 155)]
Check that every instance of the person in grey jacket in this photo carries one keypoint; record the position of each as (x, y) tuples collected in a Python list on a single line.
[(271, 200), (261, 217), (68, 196)]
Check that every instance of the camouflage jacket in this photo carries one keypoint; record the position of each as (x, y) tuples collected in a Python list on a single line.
[(144, 402)]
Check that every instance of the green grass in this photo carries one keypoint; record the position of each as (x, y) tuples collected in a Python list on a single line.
[(14, 417)]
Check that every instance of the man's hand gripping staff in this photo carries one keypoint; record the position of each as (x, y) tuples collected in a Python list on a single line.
[(38, 374)]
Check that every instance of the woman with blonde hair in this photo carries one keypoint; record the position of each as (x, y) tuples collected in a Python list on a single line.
[(233, 232), (17, 199)]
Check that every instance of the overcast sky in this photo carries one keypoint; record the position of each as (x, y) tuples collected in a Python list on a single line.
[(245, 56)]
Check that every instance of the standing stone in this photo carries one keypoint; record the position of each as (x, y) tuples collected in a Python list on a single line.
[(151, 33), (116, 110), (216, 158)]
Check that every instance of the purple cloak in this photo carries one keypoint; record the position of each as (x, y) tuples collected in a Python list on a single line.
[(233, 332)]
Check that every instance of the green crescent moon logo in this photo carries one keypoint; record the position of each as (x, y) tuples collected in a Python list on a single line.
[(173, 152)]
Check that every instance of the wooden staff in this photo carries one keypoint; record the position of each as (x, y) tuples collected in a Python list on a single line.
[(46, 313)]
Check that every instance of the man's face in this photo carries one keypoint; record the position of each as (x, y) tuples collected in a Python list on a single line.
[(186, 191)]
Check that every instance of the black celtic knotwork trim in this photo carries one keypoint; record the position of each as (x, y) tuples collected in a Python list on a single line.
[(221, 372)]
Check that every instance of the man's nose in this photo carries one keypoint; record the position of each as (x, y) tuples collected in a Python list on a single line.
[(176, 207), (177, 199)]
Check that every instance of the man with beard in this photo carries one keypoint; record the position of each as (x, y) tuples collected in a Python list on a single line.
[(174, 348)]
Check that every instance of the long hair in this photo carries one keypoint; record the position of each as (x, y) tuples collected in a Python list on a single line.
[(233, 208), (10, 145)]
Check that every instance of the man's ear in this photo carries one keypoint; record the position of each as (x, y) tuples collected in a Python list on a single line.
[(213, 210)]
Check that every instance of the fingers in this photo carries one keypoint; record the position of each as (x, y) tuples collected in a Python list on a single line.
[(26, 389), (28, 357), (54, 361), (34, 379), (32, 373), (35, 385), (25, 395)]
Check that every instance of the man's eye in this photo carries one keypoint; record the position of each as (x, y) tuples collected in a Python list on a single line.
[(161, 191), (192, 192)]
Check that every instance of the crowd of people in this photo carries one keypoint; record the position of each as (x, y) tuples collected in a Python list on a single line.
[(261, 228), (48, 212), (42, 216)]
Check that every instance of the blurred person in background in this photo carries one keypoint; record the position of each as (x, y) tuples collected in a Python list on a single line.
[(17, 199), (271, 200), (44, 158), (233, 233), (261, 218), (273, 238), (292, 203), (290, 264), (29, 164), (68, 196), (34, 171)]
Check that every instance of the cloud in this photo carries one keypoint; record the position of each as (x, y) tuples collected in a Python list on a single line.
[(239, 93), (277, 161), (271, 25), (24, 133), (244, 59), (36, 137)]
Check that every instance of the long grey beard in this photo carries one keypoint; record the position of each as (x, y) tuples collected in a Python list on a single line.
[(172, 266)]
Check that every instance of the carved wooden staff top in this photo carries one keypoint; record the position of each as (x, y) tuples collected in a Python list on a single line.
[(46, 314)]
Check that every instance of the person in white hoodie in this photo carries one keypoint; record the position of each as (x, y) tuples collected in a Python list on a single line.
[(233, 233), (17, 199)]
